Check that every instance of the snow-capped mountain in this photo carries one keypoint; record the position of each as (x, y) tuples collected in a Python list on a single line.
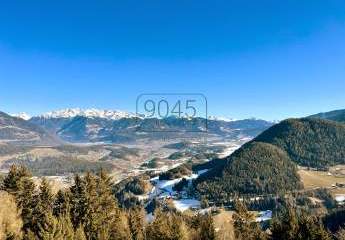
[(21, 115), (16, 130), (95, 125), (225, 119), (90, 113)]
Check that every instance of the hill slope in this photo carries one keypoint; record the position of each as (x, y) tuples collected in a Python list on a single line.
[(308, 142), (267, 164), (256, 168), (337, 115), (18, 131)]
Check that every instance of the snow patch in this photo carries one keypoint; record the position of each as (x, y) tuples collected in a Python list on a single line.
[(92, 113), (185, 204), (340, 197), (21, 115), (264, 216)]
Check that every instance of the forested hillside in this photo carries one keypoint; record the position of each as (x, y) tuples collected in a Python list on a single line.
[(86, 210), (18, 131), (256, 168), (337, 115), (268, 163), (308, 142)]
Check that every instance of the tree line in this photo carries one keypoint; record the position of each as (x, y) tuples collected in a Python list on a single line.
[(86, 210)]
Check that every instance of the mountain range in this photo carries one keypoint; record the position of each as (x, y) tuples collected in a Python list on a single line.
[(94, 112), (314, 142), (113, 126), (337, 115), (19, 131)]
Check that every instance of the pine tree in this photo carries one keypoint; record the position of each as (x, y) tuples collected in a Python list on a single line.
[(108, 207), (111, 219), (51, 229), (43, 211), (158, 229), (136, 223), (340, 235), (245, 225), (204, 203), (46, 196), (291, 226), (166, 226), (27, 200), (119, 228), (18, 182), (78, 201), (285, 226), (30, 235), (206, 229), (79, 234), (310, 228), (92, 220), (178, 228), (10, 220), (12, 180), (66, 226), (61, 204)]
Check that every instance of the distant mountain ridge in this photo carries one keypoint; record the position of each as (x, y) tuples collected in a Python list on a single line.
[(337, 115), (309, 142), (95, 125), (91, 112), (21, 115), (96, 113), (95, 129), (18, 131)]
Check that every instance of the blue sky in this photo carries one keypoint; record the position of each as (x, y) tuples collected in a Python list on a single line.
[(268, 59)]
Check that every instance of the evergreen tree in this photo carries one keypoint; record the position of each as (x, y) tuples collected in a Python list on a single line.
[(66, 226), (46, 196), (12, 180), (94, 207), (206, 228), (78, 201), (178, 228), (61, 203), (29, 235), (166, 226), (204, 203), (43, 217), (92, 219), (51, 229), (286, 226), (27, 201), (18, 182), (291, 226), (136, 223), (245, 225), (10, 220), (111, 219), (158, 230), (79, 234), (340, 235)]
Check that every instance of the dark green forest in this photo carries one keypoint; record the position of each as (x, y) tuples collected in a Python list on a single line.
[(256, 168), (86, 210), (267, 164), (309, 142)]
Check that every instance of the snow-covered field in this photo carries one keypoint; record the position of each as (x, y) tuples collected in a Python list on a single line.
[(185, 204), (164, 189), (264, 216), (340, 198)]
